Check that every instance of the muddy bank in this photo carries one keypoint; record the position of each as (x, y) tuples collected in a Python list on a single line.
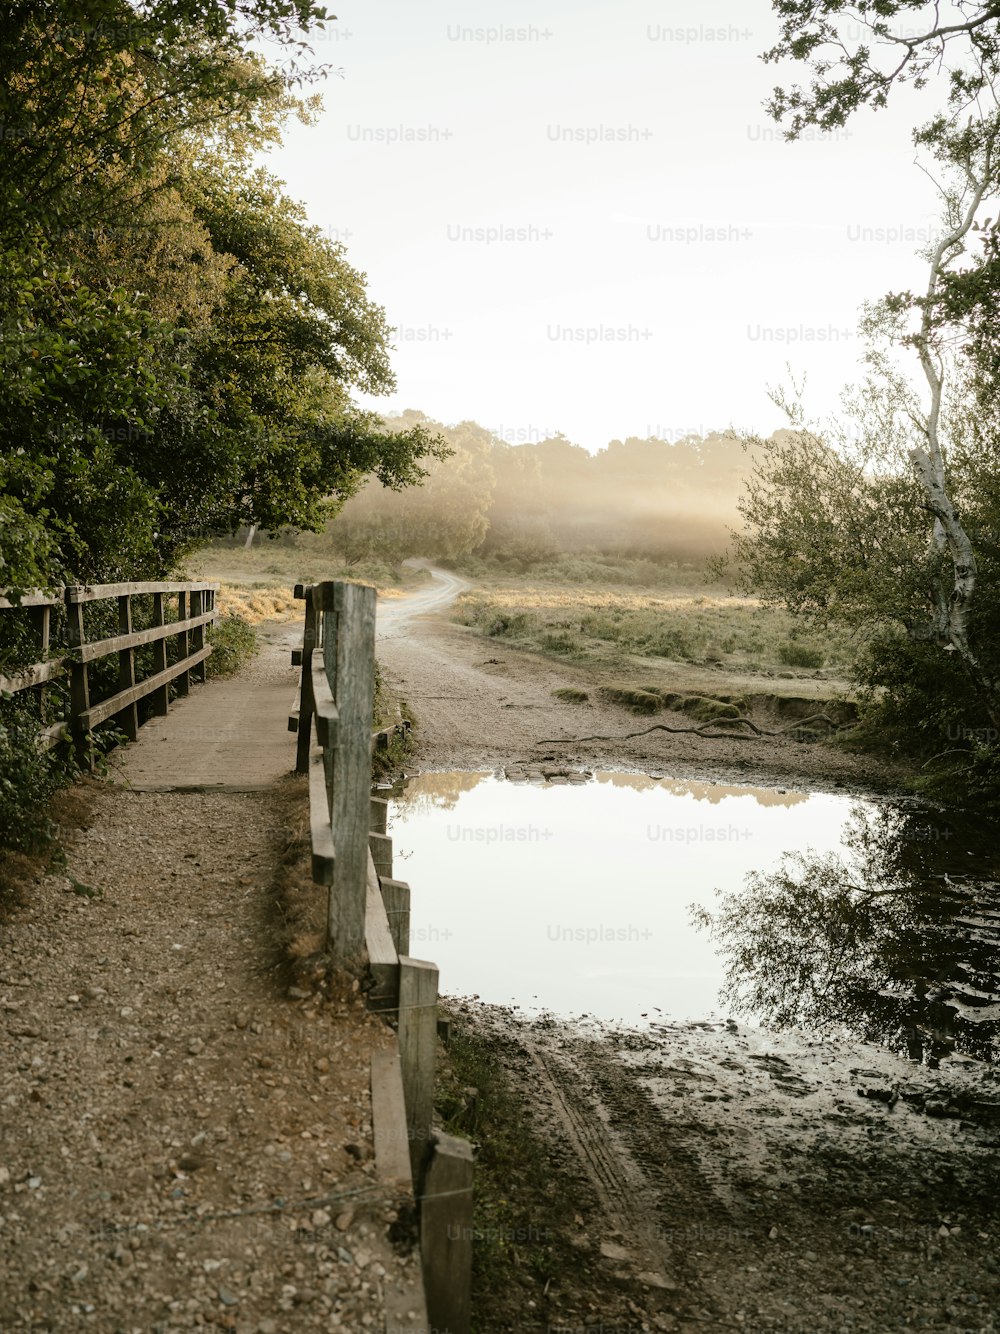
[(730, 1178), (478, 706)]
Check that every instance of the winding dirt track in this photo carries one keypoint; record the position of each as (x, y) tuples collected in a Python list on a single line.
[(481, 704)]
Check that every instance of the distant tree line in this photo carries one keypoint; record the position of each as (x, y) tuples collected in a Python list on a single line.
[(520, 506)]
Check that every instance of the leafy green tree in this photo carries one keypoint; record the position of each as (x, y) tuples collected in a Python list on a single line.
[(179, 346), (858, 53), (894, 531)]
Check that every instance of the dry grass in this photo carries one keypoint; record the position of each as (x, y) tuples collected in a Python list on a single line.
[(621, 629), (257, 584), (255, 605)]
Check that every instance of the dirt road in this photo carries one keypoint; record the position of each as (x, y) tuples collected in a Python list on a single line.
[(483, 705), (729, 1178)]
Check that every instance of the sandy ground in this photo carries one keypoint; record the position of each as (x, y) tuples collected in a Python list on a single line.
[(734, 1178)]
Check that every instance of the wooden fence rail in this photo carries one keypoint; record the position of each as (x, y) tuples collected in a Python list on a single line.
[(368, 915), (72, 651)]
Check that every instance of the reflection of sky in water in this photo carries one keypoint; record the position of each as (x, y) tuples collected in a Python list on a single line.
[(576, 898)]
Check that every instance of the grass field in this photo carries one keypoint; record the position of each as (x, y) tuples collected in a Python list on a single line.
[(257, 585), (633, 631)]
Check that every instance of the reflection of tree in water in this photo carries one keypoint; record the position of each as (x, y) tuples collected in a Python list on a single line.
[(714, 793), (435, 791), (898, 938)]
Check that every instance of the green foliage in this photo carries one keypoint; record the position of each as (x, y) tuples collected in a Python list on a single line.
[(857, 56), (234, 643), (178, 347), (794, 654), (29, 778)]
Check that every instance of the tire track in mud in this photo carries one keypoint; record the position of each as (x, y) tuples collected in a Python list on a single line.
[(649, 1187)]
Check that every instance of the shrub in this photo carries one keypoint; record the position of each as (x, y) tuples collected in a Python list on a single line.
[(28, 780), (234, 642), (799, 655), (706, 710)]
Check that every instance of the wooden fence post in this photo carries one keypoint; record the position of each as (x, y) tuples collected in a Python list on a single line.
[(396, 897), (379, 819), (198, 608), (79, 685), (183, 679), (381, 850), (349, 660), (418, 997), (42, 617), (160, 697), (446, 1231), (126, 669), (304, 739)]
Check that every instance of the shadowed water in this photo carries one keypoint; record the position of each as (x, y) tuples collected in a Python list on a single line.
[(631, 898)]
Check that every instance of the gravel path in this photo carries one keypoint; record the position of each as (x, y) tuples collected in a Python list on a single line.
[(183, 1143)]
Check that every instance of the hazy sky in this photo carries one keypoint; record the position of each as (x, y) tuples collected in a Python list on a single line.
[(581, 219)]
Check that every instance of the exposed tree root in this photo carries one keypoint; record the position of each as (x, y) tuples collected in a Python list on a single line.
[(704, 731)]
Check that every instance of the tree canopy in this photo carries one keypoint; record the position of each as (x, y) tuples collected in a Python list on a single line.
[(858, 53), (179, 346)]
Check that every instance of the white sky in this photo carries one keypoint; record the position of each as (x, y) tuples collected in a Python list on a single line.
[(619, 234)]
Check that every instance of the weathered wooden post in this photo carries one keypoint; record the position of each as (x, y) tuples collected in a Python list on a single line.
[(303, 657), (446, 1231), (129, 716), (396, 897), (381, 850), (160, 696), (182, 680), (200, 603), (348, 612), (418, 998), (41, 617), (79, 684)]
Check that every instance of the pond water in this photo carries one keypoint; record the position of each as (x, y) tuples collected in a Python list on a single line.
[(581, 897)]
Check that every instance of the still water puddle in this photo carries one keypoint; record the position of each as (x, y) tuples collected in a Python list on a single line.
[(582, 898)]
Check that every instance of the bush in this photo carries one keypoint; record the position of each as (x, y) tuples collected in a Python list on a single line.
[(799, 655), (29, 779), (234, 642)]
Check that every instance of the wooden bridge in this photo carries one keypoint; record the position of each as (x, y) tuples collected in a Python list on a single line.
[(123, 651)]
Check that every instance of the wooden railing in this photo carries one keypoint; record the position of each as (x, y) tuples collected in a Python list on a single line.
[(73, 650), (368, 916)]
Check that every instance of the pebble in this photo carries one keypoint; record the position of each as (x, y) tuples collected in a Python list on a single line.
[(195, 1047)]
